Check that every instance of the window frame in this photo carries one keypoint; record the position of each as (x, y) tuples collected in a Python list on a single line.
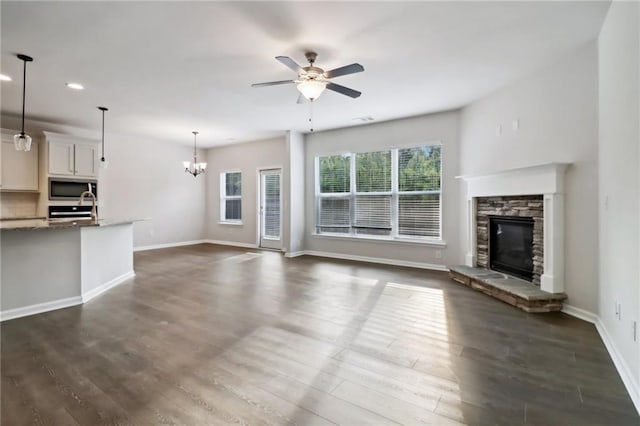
[(395, 196), (224, 197)]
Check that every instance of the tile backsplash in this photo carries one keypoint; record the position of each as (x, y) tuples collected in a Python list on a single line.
[(16, 204)]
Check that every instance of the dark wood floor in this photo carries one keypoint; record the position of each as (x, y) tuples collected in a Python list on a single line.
[(208, 335)]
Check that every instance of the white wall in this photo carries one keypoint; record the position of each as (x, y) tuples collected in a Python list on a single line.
[(619, 182), (247, 158), (294, 184), (442, 128), (557, 109), (145, 179)]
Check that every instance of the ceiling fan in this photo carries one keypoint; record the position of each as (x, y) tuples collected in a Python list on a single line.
[(312, 80)]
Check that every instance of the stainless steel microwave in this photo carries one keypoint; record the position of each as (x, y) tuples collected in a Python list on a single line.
[(70, 189)]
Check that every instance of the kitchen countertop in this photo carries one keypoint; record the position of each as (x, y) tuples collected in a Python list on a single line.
[(22, 218), (37, 224)]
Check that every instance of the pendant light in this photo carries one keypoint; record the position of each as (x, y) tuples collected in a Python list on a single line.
[(194, 168), (103, 162), (22, 141)]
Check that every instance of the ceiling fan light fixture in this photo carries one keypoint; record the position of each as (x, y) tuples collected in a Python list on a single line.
[(311, 89)]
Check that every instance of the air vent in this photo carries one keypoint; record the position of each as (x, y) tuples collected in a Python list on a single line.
[(364, 119)]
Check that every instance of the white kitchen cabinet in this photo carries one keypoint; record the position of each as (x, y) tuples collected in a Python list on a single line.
[(72, 157), (86, 159), (61, 161), (19, 168)]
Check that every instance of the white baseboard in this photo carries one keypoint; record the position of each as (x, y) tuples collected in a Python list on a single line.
[(107, 286), (169, 245), (623, 368), (579, 313), (295, 253), (380, 260), (231, 243), (40, 308)]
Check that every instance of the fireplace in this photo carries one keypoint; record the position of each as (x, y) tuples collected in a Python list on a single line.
[(511, 245), (536, 192), (520, 209)]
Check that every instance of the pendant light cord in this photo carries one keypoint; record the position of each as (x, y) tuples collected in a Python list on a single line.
[(24, 91), (195, 157), (103, 109), (102, 135)]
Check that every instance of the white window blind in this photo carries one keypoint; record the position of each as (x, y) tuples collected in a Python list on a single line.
[(231, 197), (272, 205), (334, 206), (372, 207), (419, 191), (387, 194)]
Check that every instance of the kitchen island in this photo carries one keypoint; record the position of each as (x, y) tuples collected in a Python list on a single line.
[(47, 265)]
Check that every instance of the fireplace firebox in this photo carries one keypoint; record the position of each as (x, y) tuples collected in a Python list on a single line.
[(511, 245)]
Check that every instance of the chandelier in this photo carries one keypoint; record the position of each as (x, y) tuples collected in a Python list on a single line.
[(194, 167)]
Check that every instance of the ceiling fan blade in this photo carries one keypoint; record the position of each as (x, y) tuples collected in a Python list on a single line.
[(272, 83), (287, 61), (343, 90), (347, 69)]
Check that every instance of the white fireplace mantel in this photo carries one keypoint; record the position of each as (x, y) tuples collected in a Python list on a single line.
[(546, 179)]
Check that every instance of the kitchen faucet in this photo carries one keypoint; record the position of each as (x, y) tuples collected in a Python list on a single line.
[(94, 211)]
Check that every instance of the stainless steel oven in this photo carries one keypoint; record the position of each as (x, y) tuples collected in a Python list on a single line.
[(70, 189), (66, 213)]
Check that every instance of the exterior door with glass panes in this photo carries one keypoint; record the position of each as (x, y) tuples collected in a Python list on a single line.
[(270, 209)]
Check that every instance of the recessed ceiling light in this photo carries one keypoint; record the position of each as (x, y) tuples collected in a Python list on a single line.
[(5, 77), (75, 86)]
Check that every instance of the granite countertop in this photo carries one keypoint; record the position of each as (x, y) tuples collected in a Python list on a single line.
[(22, 218), (37, 224)]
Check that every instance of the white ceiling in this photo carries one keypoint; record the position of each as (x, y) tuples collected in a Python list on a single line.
[(167, 68)]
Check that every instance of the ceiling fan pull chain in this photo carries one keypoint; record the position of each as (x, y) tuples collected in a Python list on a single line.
[(311, 115)]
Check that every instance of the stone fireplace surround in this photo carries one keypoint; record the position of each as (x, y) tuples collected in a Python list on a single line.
[(546, 183)]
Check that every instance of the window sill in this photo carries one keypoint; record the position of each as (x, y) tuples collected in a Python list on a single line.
[(230, 223), (411, 241)]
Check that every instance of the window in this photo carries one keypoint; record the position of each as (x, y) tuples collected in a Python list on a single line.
[(372, 206), (419, 191), (385, 194), (231, 197), (335, 185)]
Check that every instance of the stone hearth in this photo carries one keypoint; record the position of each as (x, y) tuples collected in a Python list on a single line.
[(514, 291)]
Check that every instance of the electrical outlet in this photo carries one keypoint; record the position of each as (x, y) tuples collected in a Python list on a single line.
[(515, 124), (438, 254)]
